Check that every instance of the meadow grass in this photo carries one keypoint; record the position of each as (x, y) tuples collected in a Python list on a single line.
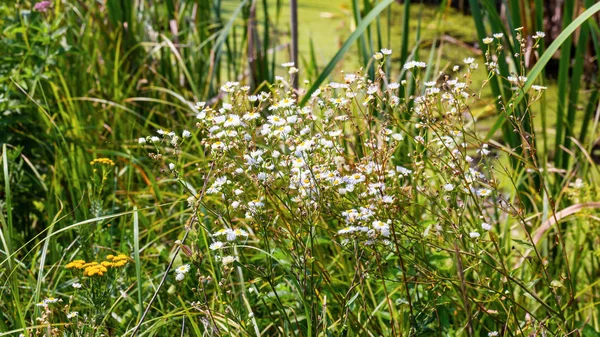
[(433, 226)]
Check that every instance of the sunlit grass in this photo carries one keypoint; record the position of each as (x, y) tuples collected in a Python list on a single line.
[(79, 85)]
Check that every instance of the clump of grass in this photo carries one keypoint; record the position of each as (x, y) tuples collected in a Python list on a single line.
[(376, 208)]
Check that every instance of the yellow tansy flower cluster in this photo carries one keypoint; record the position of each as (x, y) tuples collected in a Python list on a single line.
[(102, 161), (116, 261), (95, 268)]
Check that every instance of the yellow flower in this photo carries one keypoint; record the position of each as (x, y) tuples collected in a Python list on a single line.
[(121, 257), (97, 269), (120, 263), (89, 264), (102, 161), (75, 264)]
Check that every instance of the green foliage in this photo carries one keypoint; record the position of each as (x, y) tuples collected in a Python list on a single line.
[(85, 79)]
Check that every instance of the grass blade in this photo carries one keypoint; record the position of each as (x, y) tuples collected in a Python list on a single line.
[(347, 44), (136, 254), (544, 59)]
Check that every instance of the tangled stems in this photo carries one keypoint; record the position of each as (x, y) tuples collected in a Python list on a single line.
[(363, 212)]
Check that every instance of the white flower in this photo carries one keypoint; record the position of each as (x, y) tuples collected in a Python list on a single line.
[(448, 187), (338, 101), (347, 230), (538, 87), (276, 120), (486, 226), (142, 141), (232, 234), (72, 314), (539, 35), (254, 205), (354, 178), (183, 269), (154, 139), (382, 227), (403, 171), (49, 300), (229, 86), (397, 137), (350, 78), (179, 277), (228, 260), (578, 184), (498, 35), (488, 40), (393, 86), (76, 285), (468, 60), (305, 146), (292, 70), (232, 120), (474, 235), (216, 245), (217, 145), (388, 199), (378, 56), (251, 115), (386, 51), (517, 80), (288, 64), (493, 334), (372, 89), (171, 166), (484, 192), (484, 150), (412, 64), (186, 134)]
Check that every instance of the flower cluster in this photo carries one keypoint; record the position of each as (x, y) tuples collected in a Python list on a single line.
[(376, 166), (102, 161), (181, 271), (331, 160), (99, 268)]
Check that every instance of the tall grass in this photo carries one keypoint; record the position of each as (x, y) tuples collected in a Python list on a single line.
[(86, 79), (569, 77)]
